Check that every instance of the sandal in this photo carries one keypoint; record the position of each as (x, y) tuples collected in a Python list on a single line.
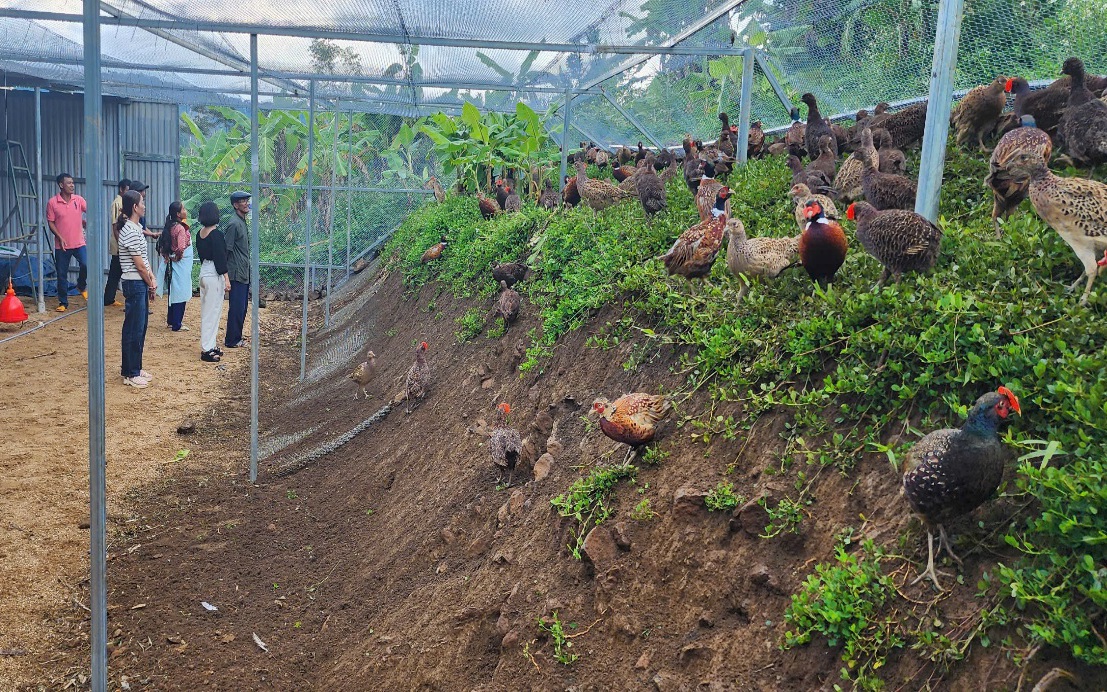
[(209, 357)]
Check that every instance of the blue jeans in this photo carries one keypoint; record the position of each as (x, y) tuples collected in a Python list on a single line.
[(236, 313), (135, 319), (61, 268)]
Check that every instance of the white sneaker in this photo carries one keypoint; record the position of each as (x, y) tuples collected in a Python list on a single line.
[(145, 375), (184, 329), (137, 381)]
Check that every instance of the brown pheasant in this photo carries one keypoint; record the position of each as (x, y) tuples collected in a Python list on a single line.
[(978, 112), (632, 419), (508, 304), (693, 253), (753, 258), (597, 194), (505, 444), (439, 193), (801, 195), (364, 373), (900, 240), (1009, 191), (951, 472), (434, 251), (419, 378)]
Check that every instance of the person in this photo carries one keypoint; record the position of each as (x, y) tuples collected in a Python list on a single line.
[(238, 269), (175, 249), (141, 188), (114, 271), (139, 287), (65, 216), (214, 282)]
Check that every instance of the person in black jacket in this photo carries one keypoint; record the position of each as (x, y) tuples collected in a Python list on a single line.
[(212, 249)]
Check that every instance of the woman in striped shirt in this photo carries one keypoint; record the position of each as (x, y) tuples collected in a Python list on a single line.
[(139, 286)]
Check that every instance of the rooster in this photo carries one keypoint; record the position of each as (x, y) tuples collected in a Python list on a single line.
[(505, 444), (364, 373), (632, 419), (695, 250), (822, 245), (434, 251), (951, 472), (419, 378)]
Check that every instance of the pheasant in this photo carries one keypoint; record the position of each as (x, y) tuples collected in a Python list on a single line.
[(813, 179), (693, 165), (900, 240), (695, 250), (725, 143), (950, 472), (364, 373), (817, 128), (512, 203), (755, 142), (822, 245), (1084, 123), (751, 258), (651, 188), (1074, 207), (419, 377), (508, 305), (801, 195), (708, 188), (439, 193), (826, 161), (632, 419), (883, 190), (569, 194), (795, 135), (488, 207), (548, 198), (848, 180), (597, 194), (434, 251), (905, 126), (978, 112), (511, 272), (1009, 191), (505, 444)]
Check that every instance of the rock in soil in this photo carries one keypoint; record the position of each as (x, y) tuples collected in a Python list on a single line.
[(600, 548)]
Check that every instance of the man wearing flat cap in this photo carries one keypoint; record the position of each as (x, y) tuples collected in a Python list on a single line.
[(238, 268)]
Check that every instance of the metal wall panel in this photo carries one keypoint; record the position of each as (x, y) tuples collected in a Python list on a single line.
[(150, 140)]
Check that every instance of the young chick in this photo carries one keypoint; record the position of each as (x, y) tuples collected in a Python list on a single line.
[(363, 374)]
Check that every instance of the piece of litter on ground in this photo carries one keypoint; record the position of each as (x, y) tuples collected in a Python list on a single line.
[(260, 643), (124, 682), (208, 606), (138, 606)]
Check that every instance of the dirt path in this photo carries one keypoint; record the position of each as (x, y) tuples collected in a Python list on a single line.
[(44, 463)]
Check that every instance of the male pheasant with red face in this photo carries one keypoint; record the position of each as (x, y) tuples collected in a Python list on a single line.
[(632, 418), (822, 245), (505, 444), (434, 251), (951, 472)]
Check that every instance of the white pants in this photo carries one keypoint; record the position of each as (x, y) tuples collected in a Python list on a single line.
[(211, 305)]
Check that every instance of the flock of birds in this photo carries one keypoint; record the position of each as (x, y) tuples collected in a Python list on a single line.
[(949, 472)]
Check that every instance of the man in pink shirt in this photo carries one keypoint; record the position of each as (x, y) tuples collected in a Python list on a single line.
[(65, 213)]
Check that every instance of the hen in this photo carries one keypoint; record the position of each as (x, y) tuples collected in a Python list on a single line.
[(364, 373), (814, 180), (1074, 207), (419, 378), (509, 302), (795, 135), (848, 180), (693, 165), (755, 142), (512, 203), (822, 245), (1009, 191), (725, 143), (978, 112), (817, 128), (501, 194), (505, 444), (488, 207), (951, 472), (633, 418), (651, 189), (826, 162), (753, 258), (905, 126), (569, 194), (1083, 126), (900, 240), (693, 253), (434, 251), (883, 190)]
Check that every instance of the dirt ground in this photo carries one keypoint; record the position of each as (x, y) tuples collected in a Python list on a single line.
[(44, 464)]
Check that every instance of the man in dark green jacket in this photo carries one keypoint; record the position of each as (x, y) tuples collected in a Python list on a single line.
[(238, 268)]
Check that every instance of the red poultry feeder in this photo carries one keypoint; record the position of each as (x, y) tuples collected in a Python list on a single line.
[(11, 308)]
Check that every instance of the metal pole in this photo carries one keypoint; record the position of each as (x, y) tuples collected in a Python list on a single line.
[(745, 105), (933, 159), (255, 258), (349, 192), (330, 230), (97, 463), (41, 237), (307, 229), (565, 140), (633, 120), (779, 90)]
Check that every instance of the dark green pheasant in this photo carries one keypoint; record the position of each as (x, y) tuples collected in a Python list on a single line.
[(951, 472)]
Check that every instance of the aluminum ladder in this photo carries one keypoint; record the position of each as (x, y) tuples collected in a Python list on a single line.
[(23, 189)]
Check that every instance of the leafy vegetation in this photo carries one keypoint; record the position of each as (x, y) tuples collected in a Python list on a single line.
[(562, 642), (723, 499), (585, 501)]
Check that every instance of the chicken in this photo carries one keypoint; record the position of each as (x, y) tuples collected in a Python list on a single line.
[(548, 198), (488, 207), (978, 112), (795, 136), (434, 251), (1009, 191), (632, 419), (817, 128), (569, 194), (883, 190), (725, 143), (900, 240), (695, 250), (512, 203), (511, 272), (822, 245), (801, 195), (1083, 125), (705, 193), (950, 472), (363, 374), (693, 165), (755, 141), (816, 180), (905, 126), (505, 444), (1074, 207), (508, 305), (753, 258), (419, 378), (826, 161), (651, 189), (439, 193), (597, 194)]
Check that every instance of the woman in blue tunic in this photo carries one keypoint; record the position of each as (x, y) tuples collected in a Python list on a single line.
[(175, 248)]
